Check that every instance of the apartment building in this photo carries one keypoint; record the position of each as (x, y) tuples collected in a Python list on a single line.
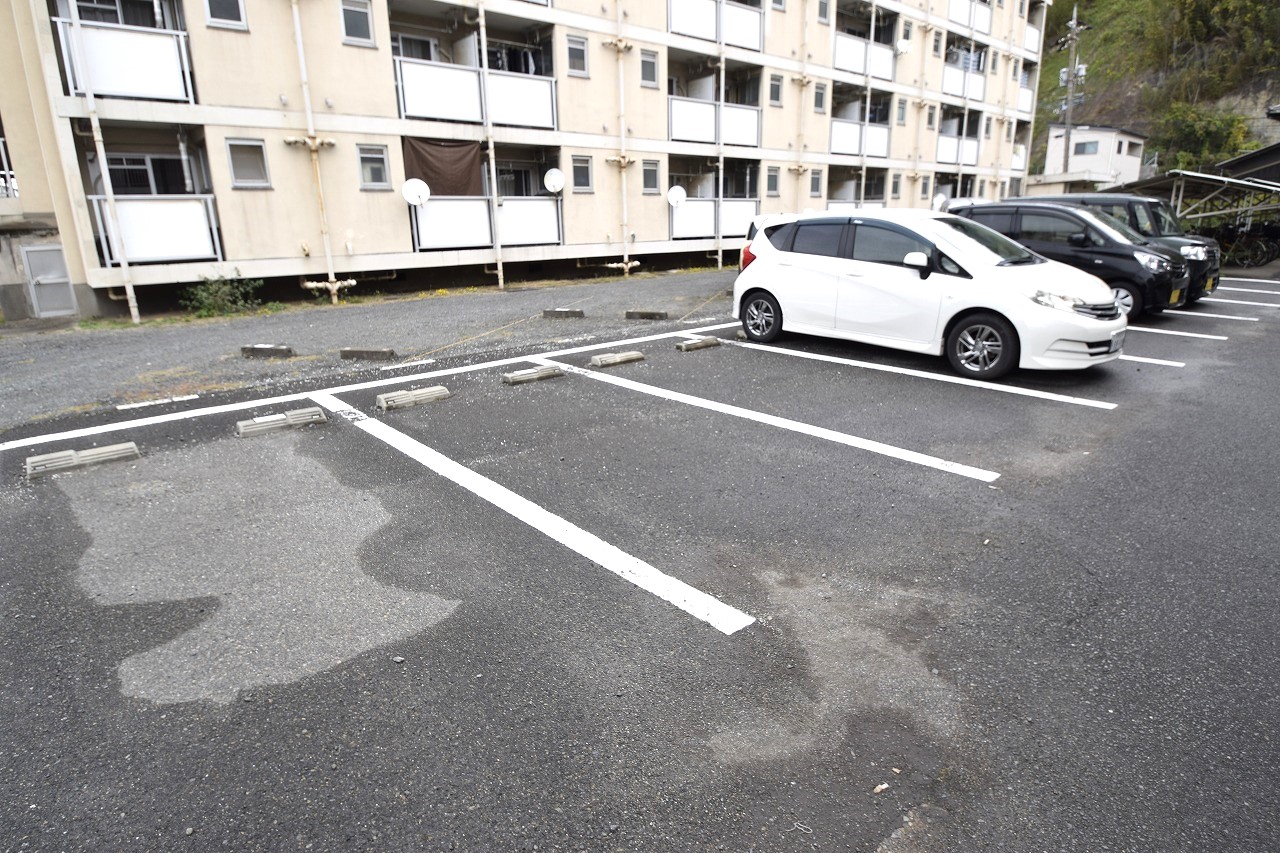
[(149, 143)]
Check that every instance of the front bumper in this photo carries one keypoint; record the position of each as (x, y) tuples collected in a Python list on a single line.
[(1071, 343)]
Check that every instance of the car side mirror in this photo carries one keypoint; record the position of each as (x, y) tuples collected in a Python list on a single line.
[(918, 261), (1078, 239)]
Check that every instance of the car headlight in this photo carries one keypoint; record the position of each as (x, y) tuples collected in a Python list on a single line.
[(1195, 253), (1155, 263), (1056, 300)]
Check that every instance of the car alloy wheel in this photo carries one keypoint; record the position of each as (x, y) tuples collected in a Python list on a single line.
[(983, 346), (1127, 300), (761, 317)]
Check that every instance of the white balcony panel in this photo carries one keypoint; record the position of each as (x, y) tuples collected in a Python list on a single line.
[(159, 228), (1019, 162), (982, 17), (880, 61), (1026, 100), (437, 90), (522, 100), (876, 139), (743, 26), (953, 81), (851, 54), (975, 86), (696, 217), (846, 137), (131, 62), (959, 11), (1031, 39), (695, 18), (528, 221), (693, 121), (736, 215), (969, 152), (948, 149), (454, 223), (740, 125)]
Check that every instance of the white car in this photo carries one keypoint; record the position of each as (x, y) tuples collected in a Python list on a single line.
[(928, 282)]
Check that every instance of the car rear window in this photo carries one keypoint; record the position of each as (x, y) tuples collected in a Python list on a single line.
[(818, 238), (780, 235), (996, 220)]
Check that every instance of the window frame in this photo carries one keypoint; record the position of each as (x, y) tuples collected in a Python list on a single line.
[(780, 82), (364, 150), (649, 57), (573, 42), (242, 184), (653, 167), (820, 98), (815, 178), (356, 6), (824, 11), (226, 23), (575, 161), (895, 185)]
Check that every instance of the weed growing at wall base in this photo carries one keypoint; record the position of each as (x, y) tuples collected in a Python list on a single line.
[(214, 297)]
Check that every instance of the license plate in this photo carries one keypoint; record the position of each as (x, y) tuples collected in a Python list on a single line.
[(1117, 341), (1175, 297)]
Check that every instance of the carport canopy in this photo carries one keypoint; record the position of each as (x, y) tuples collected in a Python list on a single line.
[(1196, 195)]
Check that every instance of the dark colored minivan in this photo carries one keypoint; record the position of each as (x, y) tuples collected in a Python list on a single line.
[(1143, 275), (1152, 218)]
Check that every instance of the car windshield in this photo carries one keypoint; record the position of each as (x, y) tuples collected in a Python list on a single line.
[(1166, 221), (967, 231), (1117, 229)]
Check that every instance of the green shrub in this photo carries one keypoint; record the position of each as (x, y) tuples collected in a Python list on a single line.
[(216, 297)]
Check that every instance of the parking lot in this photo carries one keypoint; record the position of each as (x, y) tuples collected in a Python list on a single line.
[(809, 595)]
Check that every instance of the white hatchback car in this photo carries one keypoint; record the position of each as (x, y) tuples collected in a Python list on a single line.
[(927, 282)]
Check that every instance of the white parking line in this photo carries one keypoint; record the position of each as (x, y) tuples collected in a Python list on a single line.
[(783, 423), (1210, 316), (341, 389), (1251, 280), (1179, 334), (1160, 361), (1241, 302), (693, 601), (936, 377), (126, 406), (1247, 290)]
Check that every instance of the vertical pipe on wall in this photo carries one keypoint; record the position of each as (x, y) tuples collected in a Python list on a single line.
[(313, 144), (623, 160), (488, 141)]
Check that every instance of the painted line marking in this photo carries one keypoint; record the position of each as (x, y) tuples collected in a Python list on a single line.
[(1160, 361), (1251, 280), (1185, 313), (124, 406), (783, 423), (1247, 290), (691, 600), (1241, 302), (341, 389), (936, 377), (404, 364), (1179, 334)]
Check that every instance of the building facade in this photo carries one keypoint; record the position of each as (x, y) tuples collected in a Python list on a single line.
[(157, 142), (1100, 157)]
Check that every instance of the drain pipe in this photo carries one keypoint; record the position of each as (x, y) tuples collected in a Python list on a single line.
[(314, 144), (82, 69), (488, 141), (866, 113), (720, 147), (188, 182), (621, 46)]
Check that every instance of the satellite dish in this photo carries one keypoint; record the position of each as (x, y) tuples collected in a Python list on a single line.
[(903, 46), (416, 192), (553, 180), (676, 196)]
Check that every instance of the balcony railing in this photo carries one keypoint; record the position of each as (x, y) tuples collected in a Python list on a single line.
[(696, 217), (743, 26), (127, 62), (863, 57), (1019, 162), (8, 183), (1026, 99), (964, 84), (692, 120), (958, 149), (158, 228), (440, 90), (970, 13), (1031, 39), (458, 222), (853, 137)]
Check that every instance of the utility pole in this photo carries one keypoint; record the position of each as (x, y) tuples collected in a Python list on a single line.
[(1070, 39)]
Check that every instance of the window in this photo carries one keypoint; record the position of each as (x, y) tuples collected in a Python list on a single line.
[(649, 68), (993, 219), (650, 177), (1119, 147), (901, 117), (227, 13), (146, 174), (374, 174), (895, 186), (820, 98), (924, 187), (986, 128), (880, 244), (931, 117), (248, 164), (937, 43), (995, 62), (1135, 149), (357, 23), (771, 180), (582, 175), (1013, 68), (780, 5), (775, 90), (1085, 147), (906, 30), (982, 188), (824, 11), (578, 56), (818, 238), (815, 183), (413, 47), (1048, 228)]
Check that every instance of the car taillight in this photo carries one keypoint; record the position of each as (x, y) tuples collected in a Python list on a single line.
[(745, 260)]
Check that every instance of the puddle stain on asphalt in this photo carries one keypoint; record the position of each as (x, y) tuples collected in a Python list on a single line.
[(268, 532)]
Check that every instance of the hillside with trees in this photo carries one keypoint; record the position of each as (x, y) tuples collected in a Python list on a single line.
[(1195, 76)]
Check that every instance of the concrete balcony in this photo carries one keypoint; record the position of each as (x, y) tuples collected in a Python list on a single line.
[(158, 228), (970, 13), (126, 62), (964, 84), (852, 137), (860, 56), (464, 223), (741, 26), (696, 217), (957, 149), (439, 90), (692, 120)]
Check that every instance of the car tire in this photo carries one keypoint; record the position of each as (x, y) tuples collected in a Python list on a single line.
[(1128, 297), (761, 317), (982, 346)]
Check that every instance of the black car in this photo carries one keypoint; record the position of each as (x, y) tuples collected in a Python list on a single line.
[(1152, 218), (1143, 275)]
